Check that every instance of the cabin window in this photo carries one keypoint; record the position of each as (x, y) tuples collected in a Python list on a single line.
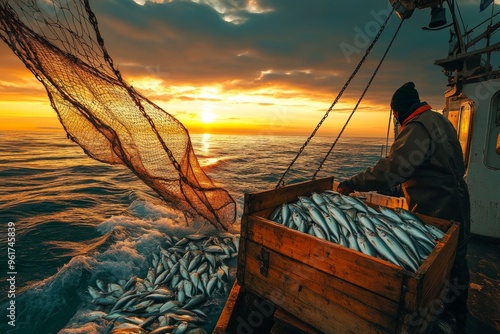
[(498, 144), (493, 137), (463, 129)]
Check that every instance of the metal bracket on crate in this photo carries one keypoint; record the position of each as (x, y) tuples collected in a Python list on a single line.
[(264, 262)]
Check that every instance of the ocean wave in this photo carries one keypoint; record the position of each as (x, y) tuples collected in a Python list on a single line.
[(123, 250)]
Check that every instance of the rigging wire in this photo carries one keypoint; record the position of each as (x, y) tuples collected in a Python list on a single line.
[(473, 28), (461, 18), (281, 181), (387, 134), (360, 98)]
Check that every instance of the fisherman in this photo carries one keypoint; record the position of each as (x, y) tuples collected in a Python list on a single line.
[(426, 160)]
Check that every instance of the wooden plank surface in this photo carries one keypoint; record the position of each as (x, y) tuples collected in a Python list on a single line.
[(438, 272), (423, 293), (376, 199), (321, 300), (227, 311), (373, 274), (291, 324), (271, 198)]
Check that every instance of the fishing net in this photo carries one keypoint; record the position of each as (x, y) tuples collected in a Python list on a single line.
[(59, 41)]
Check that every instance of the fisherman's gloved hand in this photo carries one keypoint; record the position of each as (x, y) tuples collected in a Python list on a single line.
[(345, 187)]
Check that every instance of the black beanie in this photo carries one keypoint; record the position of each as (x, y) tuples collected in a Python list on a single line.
[(403, 99)]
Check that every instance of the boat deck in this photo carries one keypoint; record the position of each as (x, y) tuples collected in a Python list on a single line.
[(484, 289)]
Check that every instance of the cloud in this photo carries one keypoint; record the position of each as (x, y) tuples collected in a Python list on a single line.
[(291, 44), (270, 51)]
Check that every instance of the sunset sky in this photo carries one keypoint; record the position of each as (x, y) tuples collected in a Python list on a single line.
[(253, 66)]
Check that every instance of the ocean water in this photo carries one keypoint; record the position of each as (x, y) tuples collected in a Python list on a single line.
[(77, 219)]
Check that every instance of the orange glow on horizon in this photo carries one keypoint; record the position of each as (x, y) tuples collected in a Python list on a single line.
[(219, 109)]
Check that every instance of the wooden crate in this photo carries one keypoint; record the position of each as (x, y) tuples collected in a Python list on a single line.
[(333, 288)]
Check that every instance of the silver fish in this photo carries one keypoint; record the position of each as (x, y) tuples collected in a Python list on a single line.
[(390, 214), (318, 218), (181, 294), (164, 329), (92, 316), (94, 293), (297, 220), (307, 203), (104, 301), (181, 328), (333, 227), (131, 282), (195, 278), (285, 214), (407, 215), (211, 285), (397, 250), (381, 247), (435, 232), (276, 215), (356, 203), (170, 305), (161, 277), (214, 249), (364, 220), (202, 268), (175, 279), (418, 234), (188, 288), (339, 216), (184, 272), (365, 246), (352, 240), (318, 231), (195, 301), (352, 223), (142, 305), (319, 201), (343, 241), (406, 240), (101, 285), (122, 302)]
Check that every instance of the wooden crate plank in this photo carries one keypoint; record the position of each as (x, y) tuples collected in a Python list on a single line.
[(242, 250), (376, 200), (424, 287), (338, 291), (227, 311), (271, 198), (290, 323), (439, 269), (316, 297), (379, 276), (443, 225)]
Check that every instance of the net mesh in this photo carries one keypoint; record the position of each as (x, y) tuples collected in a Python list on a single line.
[(60, 43)]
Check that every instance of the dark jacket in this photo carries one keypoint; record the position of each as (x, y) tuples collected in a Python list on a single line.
[(426, 159)]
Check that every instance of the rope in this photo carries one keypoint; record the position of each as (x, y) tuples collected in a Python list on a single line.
[(360, 98), (281, 181), (387, 134)]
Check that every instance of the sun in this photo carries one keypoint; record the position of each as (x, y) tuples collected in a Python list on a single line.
[(207, 116)]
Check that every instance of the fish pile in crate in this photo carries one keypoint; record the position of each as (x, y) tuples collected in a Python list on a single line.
[(395, 235), (181, 278)]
